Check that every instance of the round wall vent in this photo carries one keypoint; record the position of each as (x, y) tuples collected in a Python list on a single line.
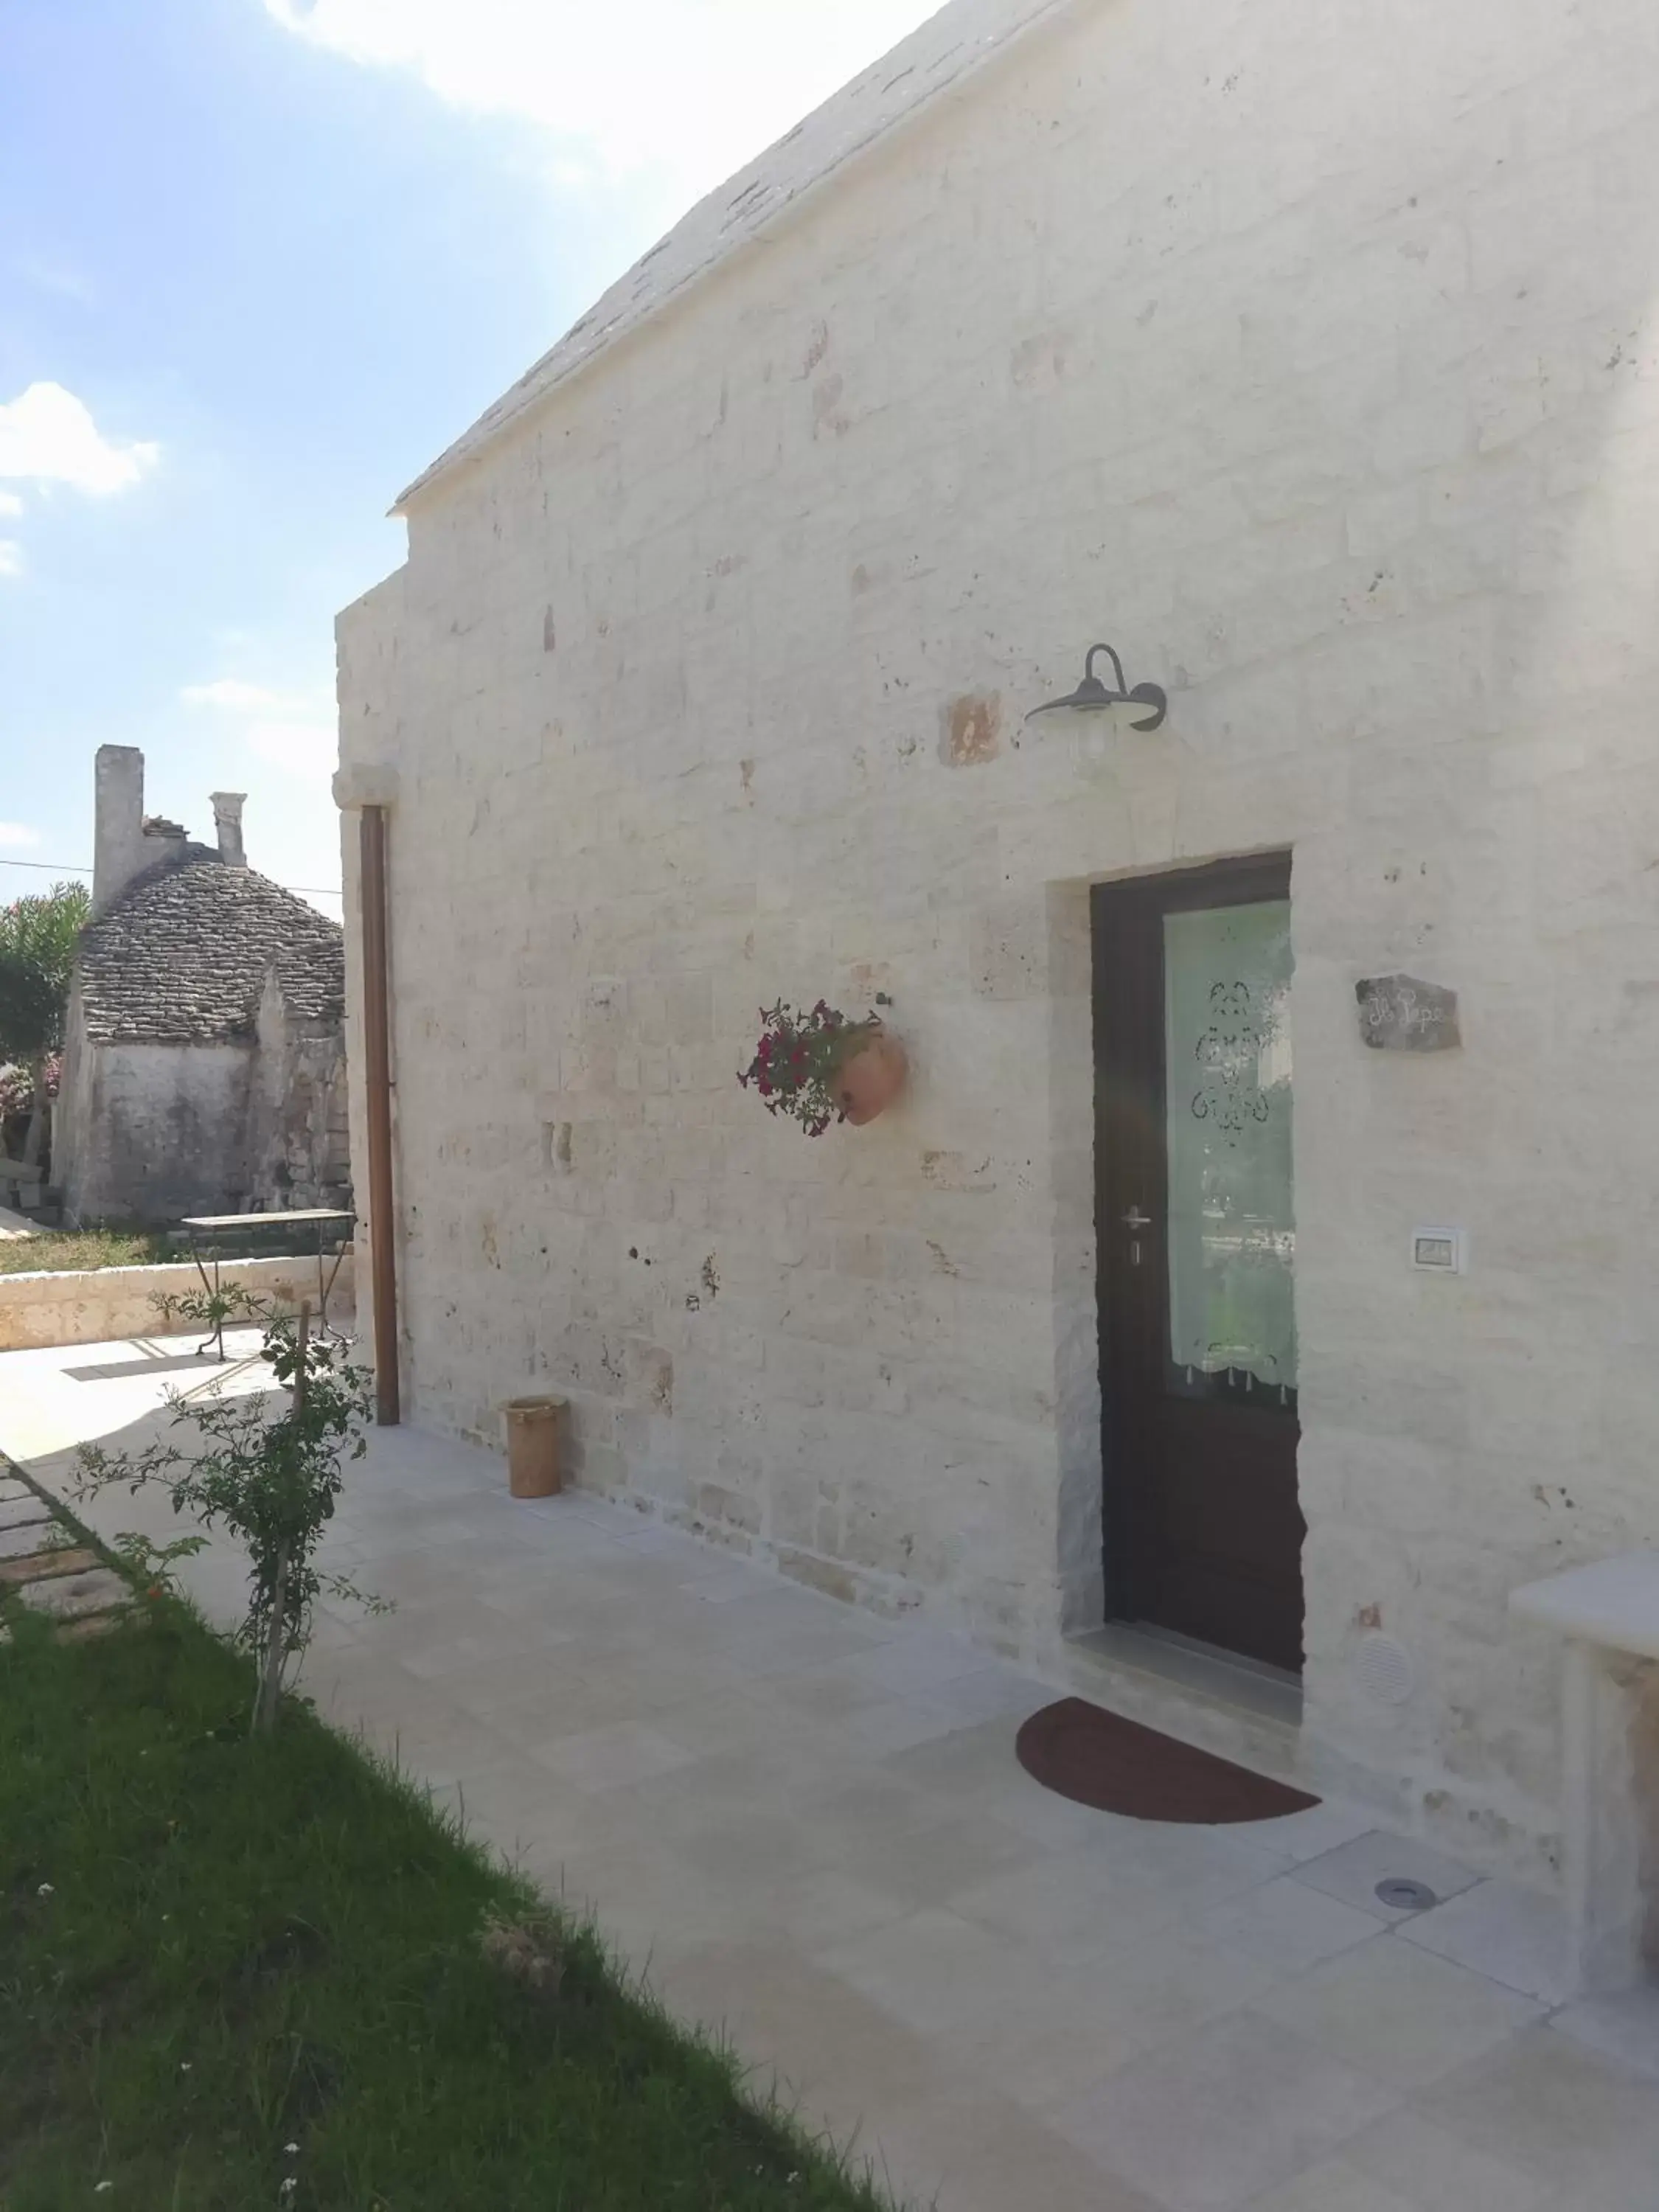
[(1384, 1670)]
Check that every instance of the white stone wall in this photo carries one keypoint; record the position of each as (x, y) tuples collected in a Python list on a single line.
[(1308, 352), (297, 1134), (152, 1132)]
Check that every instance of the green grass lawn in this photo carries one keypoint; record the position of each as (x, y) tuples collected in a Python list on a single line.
[(55, 1249), (212, 1947)]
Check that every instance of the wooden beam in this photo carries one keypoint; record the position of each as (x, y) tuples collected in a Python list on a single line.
[(377, 1086)]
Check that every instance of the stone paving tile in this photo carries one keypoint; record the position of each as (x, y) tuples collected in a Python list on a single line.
[(932, 1866), (1087, 1898), (984, 2153), (1310, 1835), (24, 1512), (1583, 2124), (1397, 2013), (798, 2020), (1205, 2125), (48, 1559), (1434, 2170), (1624, 2025), (1069, 2032), (1512, 1934), (604, 1758), (1285, 1924), (18, 1543), (1334, 2186), (92, 1625), (70, 1597), (1352, 1870), (934, 1970)]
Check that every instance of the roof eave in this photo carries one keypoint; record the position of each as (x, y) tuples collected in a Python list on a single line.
[(938, 57)]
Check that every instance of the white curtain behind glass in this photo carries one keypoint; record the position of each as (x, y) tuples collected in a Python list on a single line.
[(1232, 1222)]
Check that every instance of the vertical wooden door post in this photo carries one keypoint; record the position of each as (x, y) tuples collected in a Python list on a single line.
[(377, 1085)]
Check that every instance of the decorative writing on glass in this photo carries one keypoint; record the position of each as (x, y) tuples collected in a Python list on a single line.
[(1230, 1208), (1230, 1053)]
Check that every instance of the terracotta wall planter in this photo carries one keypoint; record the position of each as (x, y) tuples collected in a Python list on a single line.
[(871, 1077)]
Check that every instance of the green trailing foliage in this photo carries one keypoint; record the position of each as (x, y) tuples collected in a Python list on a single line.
[(38, 938)]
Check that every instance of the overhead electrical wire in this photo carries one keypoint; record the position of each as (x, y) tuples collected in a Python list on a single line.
[(67, 868)]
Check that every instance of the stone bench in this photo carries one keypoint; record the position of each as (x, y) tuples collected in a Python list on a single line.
[(1609, 1617)]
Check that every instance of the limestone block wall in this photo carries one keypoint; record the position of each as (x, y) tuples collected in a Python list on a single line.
[(1308, 353), (153, 1131), (298, 1139), (107, 1305)]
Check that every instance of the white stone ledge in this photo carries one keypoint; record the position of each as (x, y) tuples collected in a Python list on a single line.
[(1608, 1617), (369, 783), (1615, 1603), (103, 1305)]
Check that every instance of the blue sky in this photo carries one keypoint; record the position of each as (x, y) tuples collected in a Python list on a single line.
[(260, 260)]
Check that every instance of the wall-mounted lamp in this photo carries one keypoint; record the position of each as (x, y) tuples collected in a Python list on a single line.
[(1092, 694)]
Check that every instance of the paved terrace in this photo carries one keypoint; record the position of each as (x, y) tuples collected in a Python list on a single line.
[(810, 1825)]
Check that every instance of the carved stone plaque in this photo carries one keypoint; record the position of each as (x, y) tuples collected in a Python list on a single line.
[(1401, 1013)]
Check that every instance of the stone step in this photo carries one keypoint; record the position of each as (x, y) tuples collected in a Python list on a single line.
[(98, 1624), (48, 1564), (72, 1596), (91, 1624), (17, 1542)]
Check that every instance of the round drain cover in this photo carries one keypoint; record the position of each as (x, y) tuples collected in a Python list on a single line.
[(1405, 1896)]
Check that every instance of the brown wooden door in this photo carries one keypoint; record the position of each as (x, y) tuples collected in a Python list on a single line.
[(1195, 1218)]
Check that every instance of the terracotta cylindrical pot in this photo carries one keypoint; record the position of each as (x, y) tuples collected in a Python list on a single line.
[(532, 1446), (871, 1077)]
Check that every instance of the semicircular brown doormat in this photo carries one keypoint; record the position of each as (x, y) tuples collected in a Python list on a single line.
[(1096, 1758)]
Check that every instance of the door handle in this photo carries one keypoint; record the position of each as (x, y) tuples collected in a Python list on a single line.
[(1135, 1218)]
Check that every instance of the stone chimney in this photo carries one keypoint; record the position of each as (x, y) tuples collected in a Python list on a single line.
[(227, 822), (118, 849)]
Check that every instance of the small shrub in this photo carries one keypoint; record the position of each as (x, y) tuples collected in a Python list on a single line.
[(271, 1479)]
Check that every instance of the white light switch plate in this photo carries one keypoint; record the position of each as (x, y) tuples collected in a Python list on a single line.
[(1441, 1251)]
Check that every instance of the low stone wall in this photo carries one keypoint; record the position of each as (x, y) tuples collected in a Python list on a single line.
[(105, 1305)]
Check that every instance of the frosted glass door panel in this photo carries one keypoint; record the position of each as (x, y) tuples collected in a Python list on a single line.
[(1231, 1213)]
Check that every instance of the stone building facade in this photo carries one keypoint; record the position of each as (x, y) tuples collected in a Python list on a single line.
[(1325, 383), (205, 1059)]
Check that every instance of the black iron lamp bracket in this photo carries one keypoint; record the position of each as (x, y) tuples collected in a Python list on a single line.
[(1093, 694)]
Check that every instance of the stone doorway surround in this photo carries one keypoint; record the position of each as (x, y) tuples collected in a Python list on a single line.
[(808, 1827), (1226, 1705)]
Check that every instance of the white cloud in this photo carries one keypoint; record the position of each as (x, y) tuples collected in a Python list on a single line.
[(48, 436), (691, 89), (10, 505), (58, 277), (228, 691), (294, 730), (304, 749), (18, 833), (11, 558)]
